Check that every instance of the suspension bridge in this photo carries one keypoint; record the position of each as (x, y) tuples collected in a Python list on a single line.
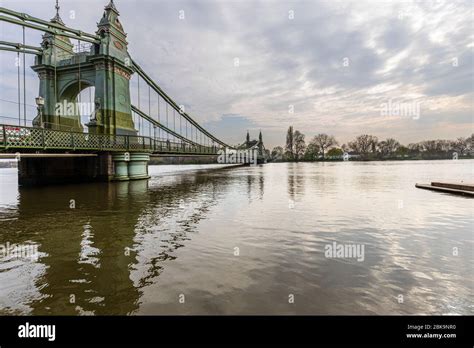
[(119, 136)]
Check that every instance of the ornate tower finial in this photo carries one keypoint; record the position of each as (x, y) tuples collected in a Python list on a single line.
[(111, 6), (57, 18)]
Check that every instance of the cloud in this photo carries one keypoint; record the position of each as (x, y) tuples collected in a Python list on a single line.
[(333, 63)]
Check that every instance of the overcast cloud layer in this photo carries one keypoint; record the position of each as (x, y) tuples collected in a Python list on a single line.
[(334, 64)]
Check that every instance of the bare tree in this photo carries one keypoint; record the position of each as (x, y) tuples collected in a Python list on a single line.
[(324, 141), (290, 146), (430, 146), (312, 151), (460, 145), (300, 145), (363, 144), (277, 153), (388, 147), (470, 144)]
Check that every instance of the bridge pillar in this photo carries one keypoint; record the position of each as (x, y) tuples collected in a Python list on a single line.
[(138, 166), (73, 169), (65, 72), (121, 166), (131, 166), (34, 171)]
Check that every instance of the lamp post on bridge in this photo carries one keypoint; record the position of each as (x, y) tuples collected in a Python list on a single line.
[(39, 105)]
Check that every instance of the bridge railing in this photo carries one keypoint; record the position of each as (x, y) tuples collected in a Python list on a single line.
[(17, 138)]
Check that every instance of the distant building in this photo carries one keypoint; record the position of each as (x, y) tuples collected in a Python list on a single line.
[(248, 143)]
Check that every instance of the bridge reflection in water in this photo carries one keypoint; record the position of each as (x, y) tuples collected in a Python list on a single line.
[(95, 258), (182, 229)]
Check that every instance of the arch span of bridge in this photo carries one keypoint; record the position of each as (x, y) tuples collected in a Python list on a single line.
[(117, 141)]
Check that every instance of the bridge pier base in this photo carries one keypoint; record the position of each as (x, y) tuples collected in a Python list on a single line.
[(133, 166), (138, 166), (75, 169), (121, 167), (61, 170)]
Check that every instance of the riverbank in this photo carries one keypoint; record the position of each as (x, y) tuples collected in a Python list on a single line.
[(161, 160), (373, 160)]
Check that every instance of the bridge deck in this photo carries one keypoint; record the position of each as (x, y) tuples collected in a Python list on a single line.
[(17, 138)]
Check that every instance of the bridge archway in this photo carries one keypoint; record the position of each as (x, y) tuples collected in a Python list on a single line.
[(65, 70), (75, 105), (86, 100)]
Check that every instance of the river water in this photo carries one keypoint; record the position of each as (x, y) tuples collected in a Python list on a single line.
[(246, 240)]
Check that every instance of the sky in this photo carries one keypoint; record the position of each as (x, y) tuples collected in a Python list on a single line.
[(388, 68)]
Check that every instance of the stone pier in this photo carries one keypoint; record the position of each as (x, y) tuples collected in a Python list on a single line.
[(47, 169), (130, 166)]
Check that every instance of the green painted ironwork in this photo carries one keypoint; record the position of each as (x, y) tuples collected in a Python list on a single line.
[(64, 72), (16, 138), (174, 105), (161, 126), (24, 19)]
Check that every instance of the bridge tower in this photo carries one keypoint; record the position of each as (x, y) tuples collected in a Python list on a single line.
[(65, 72)]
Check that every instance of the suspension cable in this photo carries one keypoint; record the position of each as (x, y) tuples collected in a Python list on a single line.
[(139, 120), (149, 109), (172, 103), (46, 26), (56, 82), (159, 133), (79, 67), (19, 94), (90, 105), (24, 81)]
